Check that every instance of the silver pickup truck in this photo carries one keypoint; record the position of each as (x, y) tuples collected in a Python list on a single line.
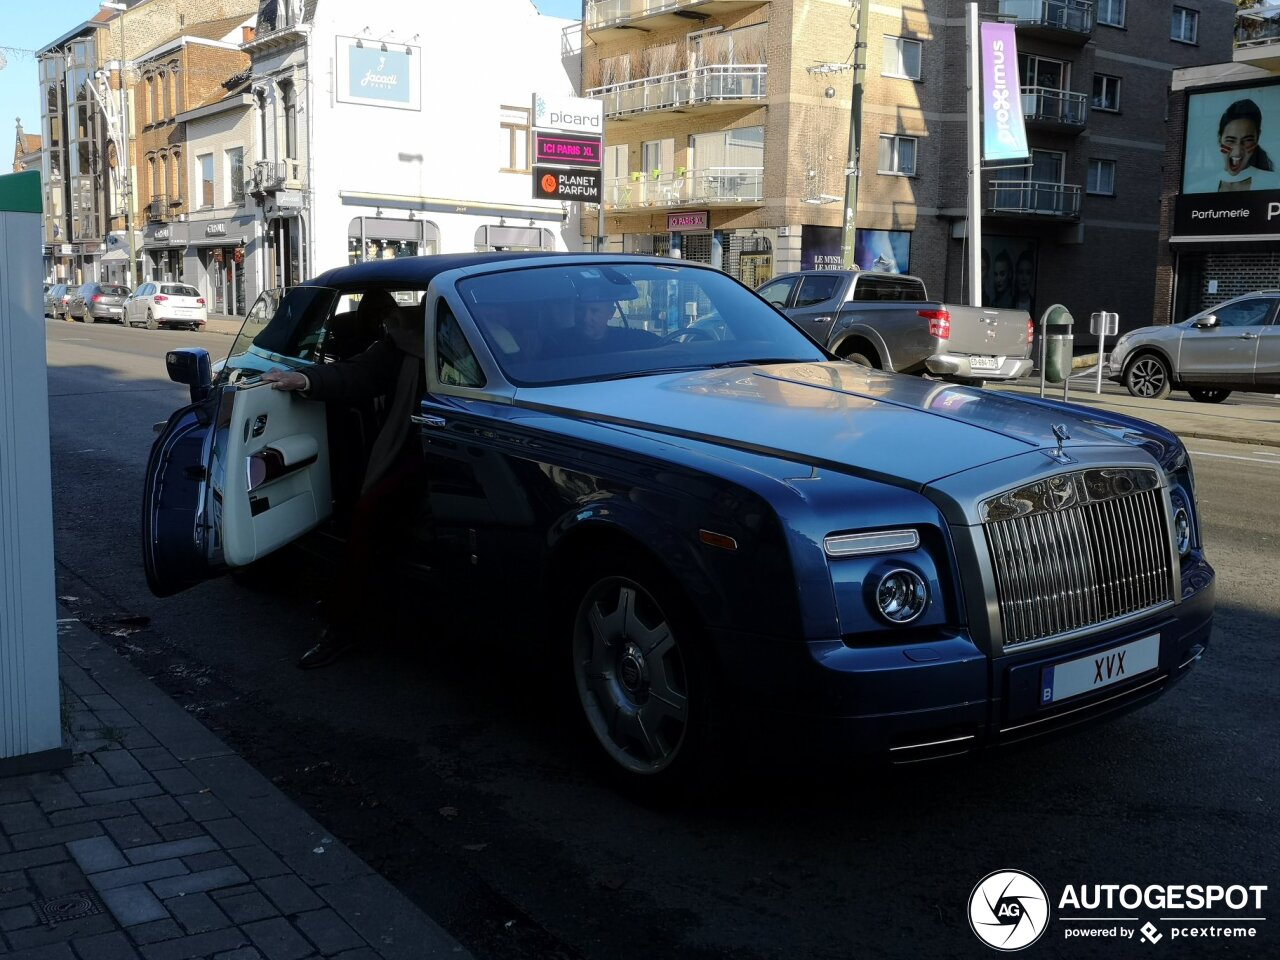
[(887, 321)]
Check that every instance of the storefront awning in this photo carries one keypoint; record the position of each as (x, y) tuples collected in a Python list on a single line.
[(393, 201)]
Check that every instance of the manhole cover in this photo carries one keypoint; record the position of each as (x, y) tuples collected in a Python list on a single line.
[(69, 907)]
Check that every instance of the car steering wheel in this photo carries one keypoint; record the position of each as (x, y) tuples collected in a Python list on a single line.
[(687, 334)]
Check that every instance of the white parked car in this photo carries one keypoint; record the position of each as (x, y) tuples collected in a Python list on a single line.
[(158, 304)]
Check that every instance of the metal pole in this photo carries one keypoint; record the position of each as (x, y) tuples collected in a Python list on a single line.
[(974, 115), (853, 169), (127, 161), (1102, 341)]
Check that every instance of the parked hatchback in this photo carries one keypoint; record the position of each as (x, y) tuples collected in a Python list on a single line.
[(1233, 346), (57, 301), (157, 304), (99, 301)]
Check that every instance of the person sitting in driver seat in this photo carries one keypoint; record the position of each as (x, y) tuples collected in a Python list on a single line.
[(593, 330)]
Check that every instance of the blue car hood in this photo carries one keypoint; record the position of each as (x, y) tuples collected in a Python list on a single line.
[(900, 429)]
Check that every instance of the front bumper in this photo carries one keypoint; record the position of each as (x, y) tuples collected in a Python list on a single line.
[(943, 696), (960, 367)]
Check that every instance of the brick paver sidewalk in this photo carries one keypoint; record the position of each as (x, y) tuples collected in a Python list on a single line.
[(159, 843)]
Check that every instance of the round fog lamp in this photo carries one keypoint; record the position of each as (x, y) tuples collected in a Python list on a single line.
[(901, 596), (1182, 530)]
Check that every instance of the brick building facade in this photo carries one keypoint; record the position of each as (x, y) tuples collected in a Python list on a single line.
[(773, 79)]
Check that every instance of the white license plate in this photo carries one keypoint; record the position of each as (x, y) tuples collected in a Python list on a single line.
[(1086, 674), (984, 363), (184, 312)]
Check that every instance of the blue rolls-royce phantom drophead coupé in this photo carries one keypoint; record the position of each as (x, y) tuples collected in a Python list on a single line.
[(720, 530)]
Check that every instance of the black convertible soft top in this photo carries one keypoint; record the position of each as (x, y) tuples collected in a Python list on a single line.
[(416, 271)]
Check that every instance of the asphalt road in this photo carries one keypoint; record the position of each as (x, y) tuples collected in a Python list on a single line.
[(443, 758)]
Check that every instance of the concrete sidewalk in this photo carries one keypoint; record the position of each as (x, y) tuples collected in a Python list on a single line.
[(160, 843)]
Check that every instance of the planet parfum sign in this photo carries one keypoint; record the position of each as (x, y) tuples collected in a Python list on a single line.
[(379, 74)]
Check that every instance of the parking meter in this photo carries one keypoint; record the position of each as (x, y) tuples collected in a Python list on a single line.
[(1103, 324), (1056, 341)]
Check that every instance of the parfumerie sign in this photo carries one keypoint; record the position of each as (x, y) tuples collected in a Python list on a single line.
[(553, 183), (379, 75), (1233, 215), (568, 134)]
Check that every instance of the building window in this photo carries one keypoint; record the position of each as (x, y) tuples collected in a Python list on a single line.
[(901, 58), (176, 159), (1106, 92), (153, 99), (1102, 177), (235, 176), (205, 160), (1042, 72), (513, 140), (155, 176), (1111, 12), (289, 97), (898, 155), (1185, 22)]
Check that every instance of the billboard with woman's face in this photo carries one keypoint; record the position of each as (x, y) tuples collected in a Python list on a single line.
[(1228, 136)]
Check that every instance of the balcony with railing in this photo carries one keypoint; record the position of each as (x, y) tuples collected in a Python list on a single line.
[(158, 209), (1257, 36), (1064, 21), (1034, 198), (710, 186), (705, 89), (612, 18), (1059, 110)]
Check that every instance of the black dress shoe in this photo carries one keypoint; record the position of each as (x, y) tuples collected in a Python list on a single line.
[(333, 645)]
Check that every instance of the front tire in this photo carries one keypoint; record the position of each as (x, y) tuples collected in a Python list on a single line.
[(641, 678), (1204, 395), (1147, 377)]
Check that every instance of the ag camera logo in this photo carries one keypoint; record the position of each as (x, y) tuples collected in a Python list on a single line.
[(1008, 910)]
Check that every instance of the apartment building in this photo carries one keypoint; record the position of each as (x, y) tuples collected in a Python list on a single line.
[(89, 163), (389, 130), (26, 150), (180, 74), (1220, 218), (728, 128)]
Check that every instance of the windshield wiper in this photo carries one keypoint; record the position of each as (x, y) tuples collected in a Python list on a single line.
[(756, 362)]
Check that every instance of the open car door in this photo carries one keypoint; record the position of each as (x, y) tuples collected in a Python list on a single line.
[(230, 479)]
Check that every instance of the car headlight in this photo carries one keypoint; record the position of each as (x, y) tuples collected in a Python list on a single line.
[(1182, 530), (901, 596)]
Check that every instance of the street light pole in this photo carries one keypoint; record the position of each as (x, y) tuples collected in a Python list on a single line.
[(124, 158), (853, 169)]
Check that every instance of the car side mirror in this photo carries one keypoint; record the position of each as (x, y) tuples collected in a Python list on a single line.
[(190, 365), (1208, 321)]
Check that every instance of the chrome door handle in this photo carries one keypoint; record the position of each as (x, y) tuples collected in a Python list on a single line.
[(821, 319), (427, 420), (1247, 336)]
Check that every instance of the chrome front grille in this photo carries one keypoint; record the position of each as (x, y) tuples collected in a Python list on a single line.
[(1078, 550)]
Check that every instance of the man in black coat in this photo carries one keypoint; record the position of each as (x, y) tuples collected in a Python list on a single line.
[(392, 368)]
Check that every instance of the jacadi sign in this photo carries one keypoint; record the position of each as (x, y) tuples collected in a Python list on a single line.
[(379, 74), (568, 114)]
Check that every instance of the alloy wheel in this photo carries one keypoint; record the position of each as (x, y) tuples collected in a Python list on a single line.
[(631, 675), (1148, 377)]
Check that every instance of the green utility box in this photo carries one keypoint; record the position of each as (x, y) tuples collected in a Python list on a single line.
[(1056, 344)]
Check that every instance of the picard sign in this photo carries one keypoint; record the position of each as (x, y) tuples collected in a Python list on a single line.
[(582, 186), (567, 149)]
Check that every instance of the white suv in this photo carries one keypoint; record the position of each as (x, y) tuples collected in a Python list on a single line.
[(158, 304)]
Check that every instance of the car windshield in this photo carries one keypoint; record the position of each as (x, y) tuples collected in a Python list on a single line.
[(573, 323), (179, 290)]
